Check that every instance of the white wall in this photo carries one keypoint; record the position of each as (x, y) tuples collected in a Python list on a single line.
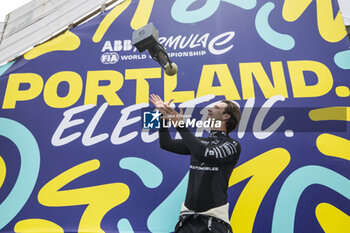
[(7, 6), (345, 9)]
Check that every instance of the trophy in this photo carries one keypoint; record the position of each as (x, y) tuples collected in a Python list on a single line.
[(146, 38)]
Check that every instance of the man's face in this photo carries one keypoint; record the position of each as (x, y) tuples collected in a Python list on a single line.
[(216, 112)]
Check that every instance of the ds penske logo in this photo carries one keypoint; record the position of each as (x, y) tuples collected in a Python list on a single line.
[(109, 58)]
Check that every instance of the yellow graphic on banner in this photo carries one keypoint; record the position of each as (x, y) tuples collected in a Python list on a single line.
[(297, 70), (99, 199), (255, 70), (37, 226), (2, 171), (170, 84), (342, 91), (330, 114), (142, 14), (329, 144), (65, 42), (51, 97), (262, 170), (108, 20), (13, 92), (140, 19), (142, 86), (115, 82), (331, 30), (334, 146), (109, 92), (331, 219), (227, 87)]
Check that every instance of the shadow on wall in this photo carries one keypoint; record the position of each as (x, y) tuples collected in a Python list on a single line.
[(348, 30)]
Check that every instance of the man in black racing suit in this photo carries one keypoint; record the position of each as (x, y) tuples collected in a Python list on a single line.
[(212, 161)]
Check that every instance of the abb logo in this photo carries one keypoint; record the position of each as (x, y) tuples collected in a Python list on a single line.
[(117, 46)]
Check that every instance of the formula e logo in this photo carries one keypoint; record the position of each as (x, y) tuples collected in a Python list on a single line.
[(151, 120), (109, 58)]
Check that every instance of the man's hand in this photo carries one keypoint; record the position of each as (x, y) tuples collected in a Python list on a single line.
[(159, 104), (168, 112)]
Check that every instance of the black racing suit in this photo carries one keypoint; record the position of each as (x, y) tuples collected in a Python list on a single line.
[(212, 162)]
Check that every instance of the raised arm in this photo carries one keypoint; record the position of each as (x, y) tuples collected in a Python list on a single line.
[(165, 141), (172, 145)]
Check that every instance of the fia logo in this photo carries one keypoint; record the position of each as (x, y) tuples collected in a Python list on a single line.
[(109, 58), (151, 120)]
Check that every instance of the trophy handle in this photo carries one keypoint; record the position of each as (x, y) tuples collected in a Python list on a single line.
[(159, 54)]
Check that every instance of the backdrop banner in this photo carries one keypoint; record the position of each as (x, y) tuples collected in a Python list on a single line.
[(79, 149)]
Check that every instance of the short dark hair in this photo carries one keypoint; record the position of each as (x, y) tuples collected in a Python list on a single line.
[(233, 110)]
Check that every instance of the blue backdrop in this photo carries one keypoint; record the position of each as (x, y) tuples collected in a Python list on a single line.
[(74, 156)]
